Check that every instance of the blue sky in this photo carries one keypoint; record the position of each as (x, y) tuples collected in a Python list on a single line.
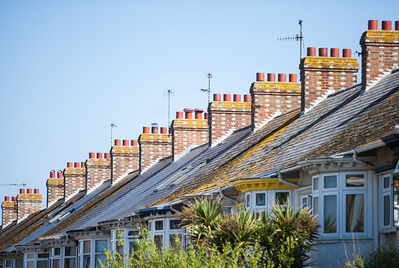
[(70, 68)]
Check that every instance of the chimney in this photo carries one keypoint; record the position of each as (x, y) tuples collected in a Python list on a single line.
[(98, 170), (9, 212), (28, 203), (271, 97), (124, 159), (154, 146), (380, 49), (227, 115), (322, 75), (74, 179), (188, 131), (55, 187)]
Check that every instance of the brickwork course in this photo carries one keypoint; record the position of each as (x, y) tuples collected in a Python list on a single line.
[(124, 159), (74, 179), (325, 75), (227, 116), (28, 203), (269, 98), (55, 189), (97, 170), (188, 132), (380, 54), (154, 147), (9, 211)]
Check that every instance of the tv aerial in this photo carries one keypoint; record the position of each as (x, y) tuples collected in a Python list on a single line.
[(169, 92), (209, 76), (298, 37), (112, 127)]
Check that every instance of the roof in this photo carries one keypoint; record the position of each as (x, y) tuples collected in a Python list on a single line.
[(348, 114)]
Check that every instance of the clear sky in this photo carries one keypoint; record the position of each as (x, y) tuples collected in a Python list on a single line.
[(70, 68)]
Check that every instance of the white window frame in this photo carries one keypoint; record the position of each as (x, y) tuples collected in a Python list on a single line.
[(126, 239), (166, 232), (36, 259), (341, 192), (92, 253), (270, 199), (62, 257)]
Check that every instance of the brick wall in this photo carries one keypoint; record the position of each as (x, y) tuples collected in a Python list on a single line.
[(322, 75), (188, 131), (98, 170), (55, 187), (9, 213), (28, 203), (226, 116), (271, 98), (124, 158), (380, 51), (154, 146), (74, 178)]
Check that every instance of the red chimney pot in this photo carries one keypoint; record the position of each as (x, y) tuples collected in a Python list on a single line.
[(29, 191), (14, 198), (76, 164), (6, 198), (99, 155), (260, 76), (323, 52), (247, 98), (92, 155), (205, 115), (125, 142), (237, 97), (108, 155), (69, 164), (82, 164), (347, 53), (217, 97), (334, 52), (133, 142), (36, 191), (271, 77), (198, 113), (164, 130), (52, 174), (373, 24), (117, 142), (311, 51), (179, 115), (189, 113), (282, 77), (397, 25), (386, 25), (59, 174), (146, 130), (227, 97)]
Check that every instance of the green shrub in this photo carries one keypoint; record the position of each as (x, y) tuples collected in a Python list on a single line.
[(384, 257)]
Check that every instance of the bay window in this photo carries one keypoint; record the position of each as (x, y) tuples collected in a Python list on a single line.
[(264, 200), (123, 241), (91, 252), (63, 257), (164, 232)]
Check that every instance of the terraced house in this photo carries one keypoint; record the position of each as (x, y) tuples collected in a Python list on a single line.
[(328, 142)]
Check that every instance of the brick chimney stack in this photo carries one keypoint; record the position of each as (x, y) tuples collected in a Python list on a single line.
[(9, 211), (273, 97), (188, 131), (322, 75), (227, 115), (98, 170), (74, 178), (380, 51), (55, 187), (28, 203), (154, 146), (124, 158)]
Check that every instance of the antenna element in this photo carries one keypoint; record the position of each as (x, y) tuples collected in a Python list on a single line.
[(296, 38)]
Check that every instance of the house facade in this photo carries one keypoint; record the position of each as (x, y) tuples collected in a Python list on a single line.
[(328, 142)]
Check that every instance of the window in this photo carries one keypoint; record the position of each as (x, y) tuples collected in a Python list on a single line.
[(340, 202), (260, 199), (164, 232), (91, 252), (264, 200), (123, 241), (70, 257), (36, 260), (9, 264)]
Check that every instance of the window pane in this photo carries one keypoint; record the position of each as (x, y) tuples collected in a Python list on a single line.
[(57, 251), (133, 233), (386, 182), (42, 264), (56, 263), (315, 210), (158, 240), (70, 263), (330, 182), (315, 184), (172, 240), (158, 225), (248, 200), (330, 214), (355, 213), (354, 180), (260, 199), (70, 251), (86, 246), (387, 210), (43, 255), (149, 225), (304, 202), (100, 258), (31, 256), (86, 261), (31, 264), (132, 246), (101, 245), (174, 224), (282, 197)]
